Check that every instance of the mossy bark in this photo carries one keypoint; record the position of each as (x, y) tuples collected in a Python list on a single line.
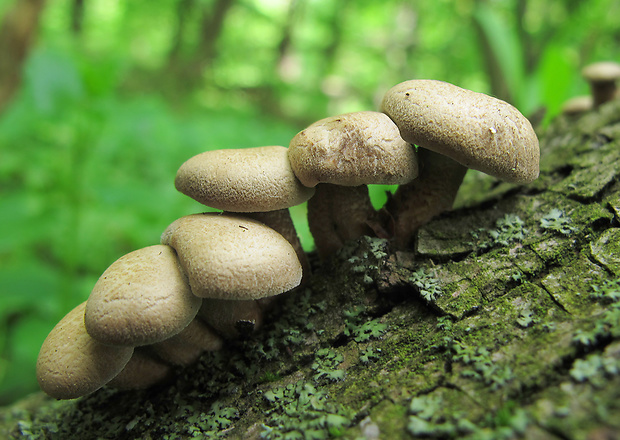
[(504, 323)]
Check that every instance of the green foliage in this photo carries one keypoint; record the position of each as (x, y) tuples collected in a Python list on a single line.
[(325, 365), (508, 229), (427, 284), (556, 221), (360, 328), (301, 411)]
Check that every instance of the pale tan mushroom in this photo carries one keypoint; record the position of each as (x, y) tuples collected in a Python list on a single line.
[(577, 105), (72, 364), (461, 129), (602, 77), (257, 181), (233, 257), (350, 150), (142, 298)]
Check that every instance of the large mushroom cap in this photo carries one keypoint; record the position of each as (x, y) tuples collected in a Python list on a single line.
[(242, 180), (474, 129), (72, 364), (351, 150), (231, 257), (142, 298)]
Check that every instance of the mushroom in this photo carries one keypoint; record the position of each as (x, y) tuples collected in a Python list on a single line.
[(602, 77), (72, 364), (577, 105), (257, 181), (142, 298), (337, 214), (461, 129), (231, 257), (350, 150)]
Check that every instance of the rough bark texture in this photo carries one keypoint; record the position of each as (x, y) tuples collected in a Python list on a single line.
[(504, 324)]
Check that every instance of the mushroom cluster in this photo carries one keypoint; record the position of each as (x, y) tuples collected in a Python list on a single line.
[(214, 274), (602, 78)]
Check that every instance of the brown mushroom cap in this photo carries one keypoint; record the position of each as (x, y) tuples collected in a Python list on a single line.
[(351, 150), (231, 257), (242, 180), (474, 129), (72, 364), (142, 298)]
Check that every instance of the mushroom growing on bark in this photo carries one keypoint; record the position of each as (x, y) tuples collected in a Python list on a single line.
[(142, 298), (231, 257), (72, 364), (455, 129), (344, 154), (602, 77)]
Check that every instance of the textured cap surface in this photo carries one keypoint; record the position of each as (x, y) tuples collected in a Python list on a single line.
[(142, 298), (232, 257), (71, 364), (351, 150), (474, 129), (242, 180)]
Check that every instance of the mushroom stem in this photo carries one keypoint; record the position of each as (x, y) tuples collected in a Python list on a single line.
[(232, 319), (432, 193), (337, 214)]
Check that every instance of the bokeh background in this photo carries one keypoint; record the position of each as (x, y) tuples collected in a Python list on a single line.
[(102, 100)]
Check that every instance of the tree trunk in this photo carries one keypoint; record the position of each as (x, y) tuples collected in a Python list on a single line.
[(503, 323), (17, 33)]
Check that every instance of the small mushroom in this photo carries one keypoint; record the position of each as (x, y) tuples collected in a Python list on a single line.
[(72, 364), (232, 257), (350, 150), (142, 298), (577, 105), (471, 130), (602, 77)]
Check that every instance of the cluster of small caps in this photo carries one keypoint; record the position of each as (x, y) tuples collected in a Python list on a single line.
[(213, 274), (602, 78)]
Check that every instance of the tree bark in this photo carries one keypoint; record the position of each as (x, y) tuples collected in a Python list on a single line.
[(17, 34), (503, 323)]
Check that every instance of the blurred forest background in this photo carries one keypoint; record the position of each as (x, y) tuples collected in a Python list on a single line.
[(102, 100)]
